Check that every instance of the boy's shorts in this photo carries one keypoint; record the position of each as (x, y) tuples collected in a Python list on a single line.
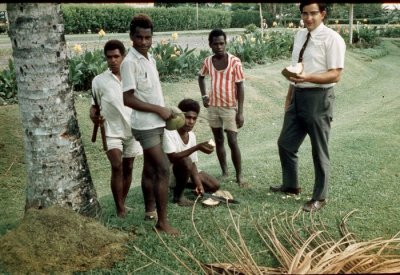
[(222, 117), (149, 138), (129, 147)]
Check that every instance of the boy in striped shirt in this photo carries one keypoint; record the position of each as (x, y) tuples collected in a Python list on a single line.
[(225, 99)]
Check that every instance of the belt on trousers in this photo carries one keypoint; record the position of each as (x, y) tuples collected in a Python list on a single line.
[(312, 88)]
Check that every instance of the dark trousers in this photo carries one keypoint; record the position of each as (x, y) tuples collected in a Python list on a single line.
[(310, 112)]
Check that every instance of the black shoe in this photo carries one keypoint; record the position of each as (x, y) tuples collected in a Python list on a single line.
[(281, 188)]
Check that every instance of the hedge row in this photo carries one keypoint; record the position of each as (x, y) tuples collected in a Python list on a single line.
[(116, 18)]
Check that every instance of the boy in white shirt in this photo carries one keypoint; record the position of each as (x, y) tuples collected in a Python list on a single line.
[(181, 148), (122, 148)]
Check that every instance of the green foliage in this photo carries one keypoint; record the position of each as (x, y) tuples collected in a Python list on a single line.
[(175, 62), (250, 28), (254, 48), (366, 37), (84, 67), (8, 84), (388, 31), (116, 18), (242, 18)]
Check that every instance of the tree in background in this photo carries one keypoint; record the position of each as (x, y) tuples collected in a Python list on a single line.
[(58, 172)]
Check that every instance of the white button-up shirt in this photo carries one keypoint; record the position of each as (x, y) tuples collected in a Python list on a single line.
[(107, 89), (325, 50), (140, 74)]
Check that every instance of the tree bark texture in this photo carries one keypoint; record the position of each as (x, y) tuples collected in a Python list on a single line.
[(58, 172)]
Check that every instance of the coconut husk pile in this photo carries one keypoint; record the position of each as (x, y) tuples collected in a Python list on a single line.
[(57, 239)]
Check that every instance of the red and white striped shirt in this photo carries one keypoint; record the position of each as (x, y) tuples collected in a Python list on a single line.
[(223, 90)]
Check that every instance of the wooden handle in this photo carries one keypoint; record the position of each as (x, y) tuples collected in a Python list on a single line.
[(94, 134), (103, 137)]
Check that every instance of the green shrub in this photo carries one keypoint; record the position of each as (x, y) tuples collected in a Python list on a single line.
[(250, 28), (84, 67), (80, 18), (175, 62), (255, 48), (8, 84), (389, 31)]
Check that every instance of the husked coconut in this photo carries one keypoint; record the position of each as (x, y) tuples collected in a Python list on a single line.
[(293, 71)]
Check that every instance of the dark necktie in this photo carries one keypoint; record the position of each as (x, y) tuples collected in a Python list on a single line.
[(304, 47)]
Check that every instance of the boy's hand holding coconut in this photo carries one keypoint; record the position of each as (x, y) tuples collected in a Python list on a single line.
[(207, 147)]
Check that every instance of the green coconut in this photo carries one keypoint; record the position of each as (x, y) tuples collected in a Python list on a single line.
[(177, 119)]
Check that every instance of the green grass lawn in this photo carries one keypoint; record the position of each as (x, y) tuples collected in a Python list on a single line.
[(365, 156)]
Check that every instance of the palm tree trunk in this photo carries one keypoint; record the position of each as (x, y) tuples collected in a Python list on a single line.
[(57, 168)]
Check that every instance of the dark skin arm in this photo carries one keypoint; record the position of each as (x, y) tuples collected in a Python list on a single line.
[(196, 179), (194, 174), (240, 100), (203, 147), (94, 115), (202, 85), (133, 102)]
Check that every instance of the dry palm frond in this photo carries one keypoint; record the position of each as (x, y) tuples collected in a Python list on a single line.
[(301, 247), (320, 253)]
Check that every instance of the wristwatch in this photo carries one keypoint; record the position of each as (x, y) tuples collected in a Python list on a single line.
[(204, 96)]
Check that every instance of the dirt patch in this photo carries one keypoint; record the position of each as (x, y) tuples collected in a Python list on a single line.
[(59, 239)]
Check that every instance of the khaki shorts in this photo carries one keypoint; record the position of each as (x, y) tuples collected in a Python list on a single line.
[(129, 147), (222, 117), (149, 138)]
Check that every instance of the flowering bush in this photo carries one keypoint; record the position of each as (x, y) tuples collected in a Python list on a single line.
[(175, 62), (256, 48)]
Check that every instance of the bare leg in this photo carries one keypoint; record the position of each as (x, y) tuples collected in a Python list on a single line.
[(127, 166), (182, 171), (210, 184), (221, 153), (147, 187), (155, 158), (236, 156), (117, 185)]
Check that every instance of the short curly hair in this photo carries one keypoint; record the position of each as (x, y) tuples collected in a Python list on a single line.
[(141, 20), (216, 33), (114, 45), (187, 105)]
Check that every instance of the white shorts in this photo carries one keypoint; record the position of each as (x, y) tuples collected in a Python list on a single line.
[(129, 147)]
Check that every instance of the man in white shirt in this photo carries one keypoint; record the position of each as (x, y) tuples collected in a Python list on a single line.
[(122, 148), (309, 102), (181, 148), (142, 93)]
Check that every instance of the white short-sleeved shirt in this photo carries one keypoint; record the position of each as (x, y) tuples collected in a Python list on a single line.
[(107, 89), (173, 143), (325, 50), (140, 74)]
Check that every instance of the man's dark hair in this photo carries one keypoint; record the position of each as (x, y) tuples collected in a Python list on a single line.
[(216, 33), (114, 45), (188, 105), (321, 5), (142, 21)]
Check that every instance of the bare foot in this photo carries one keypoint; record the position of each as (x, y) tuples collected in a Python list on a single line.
[(223, 177), (121, 214), (166, 228), (241, 182)]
